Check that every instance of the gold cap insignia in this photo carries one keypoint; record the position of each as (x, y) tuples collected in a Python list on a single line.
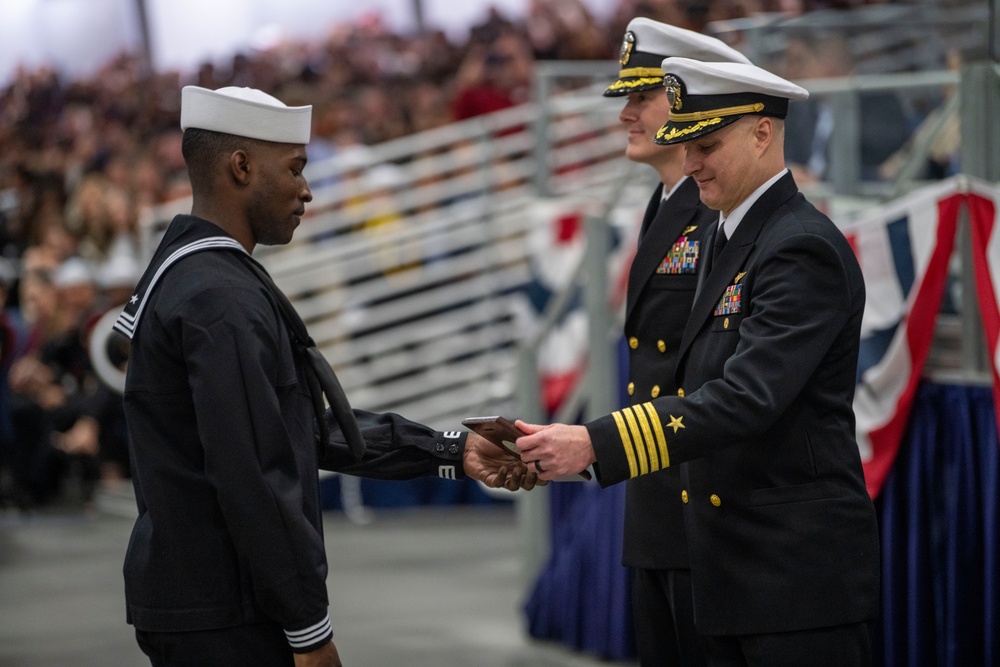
[(673, 86), (628, 44)]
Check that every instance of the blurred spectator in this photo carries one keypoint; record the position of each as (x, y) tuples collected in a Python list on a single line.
[(428, 106), (53, 239), (940, 130), (114, 233), (566, 30), (383, 223), (490, 28), (53, 410), (79, 160), (809, 123), (34, 472), (37, 295), (352, 163), (116, 279), (12, 341), (494, 75), (883, 120), (77, 299), (380, 118)]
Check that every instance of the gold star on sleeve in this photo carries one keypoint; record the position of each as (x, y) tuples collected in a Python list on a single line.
[(675, 423)]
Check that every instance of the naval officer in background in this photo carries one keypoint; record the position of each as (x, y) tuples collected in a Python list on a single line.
[(661, 287), (782, 535)]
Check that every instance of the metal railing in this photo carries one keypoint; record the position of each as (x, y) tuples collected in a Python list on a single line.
[(413, 264)]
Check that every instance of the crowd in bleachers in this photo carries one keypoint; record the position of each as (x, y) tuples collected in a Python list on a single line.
[(79, 159)]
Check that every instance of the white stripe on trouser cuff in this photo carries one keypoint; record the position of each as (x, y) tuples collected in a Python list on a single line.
[(312, 634)]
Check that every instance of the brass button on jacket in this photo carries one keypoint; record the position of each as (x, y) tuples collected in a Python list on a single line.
[(715, 500), (684, 496), (656, 390), (633, 342), (661, 346), (631, 388), (680, 392)]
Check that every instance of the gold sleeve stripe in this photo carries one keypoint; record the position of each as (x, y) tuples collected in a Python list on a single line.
[(640, 446), (633, 469), (647, 435), (661, 440)]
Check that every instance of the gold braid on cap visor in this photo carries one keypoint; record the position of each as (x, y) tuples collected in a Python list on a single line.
[(695, 116), (674, 132), (703, 119), (647, 76)]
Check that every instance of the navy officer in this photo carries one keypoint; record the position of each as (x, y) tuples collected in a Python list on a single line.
[(661, 287), (781, 531)]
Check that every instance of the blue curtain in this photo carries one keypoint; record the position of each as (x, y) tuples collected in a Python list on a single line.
[(940, 534), (582, 596), (938, 514)]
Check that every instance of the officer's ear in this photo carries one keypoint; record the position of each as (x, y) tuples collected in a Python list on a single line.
[(239, 166), (762, 133)]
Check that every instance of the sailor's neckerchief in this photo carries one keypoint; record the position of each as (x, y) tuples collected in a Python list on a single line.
[(187, 235)]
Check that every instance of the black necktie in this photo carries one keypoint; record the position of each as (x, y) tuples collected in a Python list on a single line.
[(319, 376), (720, 243)]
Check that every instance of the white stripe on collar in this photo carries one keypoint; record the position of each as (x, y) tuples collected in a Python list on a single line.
[(127, 323)]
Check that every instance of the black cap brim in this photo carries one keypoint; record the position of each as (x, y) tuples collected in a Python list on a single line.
[(677, 133), (633, 84)]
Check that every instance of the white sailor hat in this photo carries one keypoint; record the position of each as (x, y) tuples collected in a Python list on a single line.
[(245, 112), (705, 97), (648, 42), (72, 272), (120, 270)]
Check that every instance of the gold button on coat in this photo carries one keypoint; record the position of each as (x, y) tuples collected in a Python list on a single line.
[(725, 323), (633, 342), (715, 500), (684, 496), (631, 388), (680, 392), (661, 346), (656, 390)]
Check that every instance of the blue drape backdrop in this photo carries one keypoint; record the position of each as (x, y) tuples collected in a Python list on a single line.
[(938, 516), (582, 597), (940, 537)]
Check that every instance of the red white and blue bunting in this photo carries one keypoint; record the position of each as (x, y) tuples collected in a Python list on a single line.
[(905, 249)]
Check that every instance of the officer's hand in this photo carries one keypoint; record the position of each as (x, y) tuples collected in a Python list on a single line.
[(325, 656), (496, 467), (555, 450)]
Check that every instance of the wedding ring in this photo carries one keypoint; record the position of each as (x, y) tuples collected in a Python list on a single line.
[(538, 467)]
